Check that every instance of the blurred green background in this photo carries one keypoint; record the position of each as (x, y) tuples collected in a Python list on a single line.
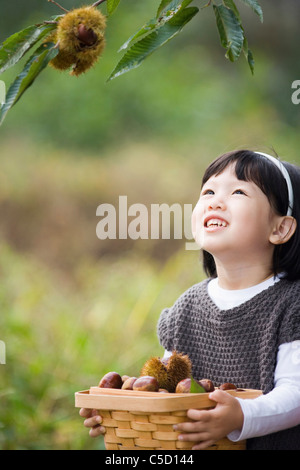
[(74, 307)]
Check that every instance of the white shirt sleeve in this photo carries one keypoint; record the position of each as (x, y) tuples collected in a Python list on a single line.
[(280, 408)]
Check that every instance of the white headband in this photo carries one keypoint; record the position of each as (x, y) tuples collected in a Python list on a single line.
[(287, 178)]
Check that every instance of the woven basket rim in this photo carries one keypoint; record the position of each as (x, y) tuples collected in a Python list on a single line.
[(129, 400)]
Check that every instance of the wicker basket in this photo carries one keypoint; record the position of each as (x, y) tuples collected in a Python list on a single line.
[(144, 420)]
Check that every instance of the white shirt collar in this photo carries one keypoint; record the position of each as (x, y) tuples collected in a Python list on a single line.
[(226, 299)]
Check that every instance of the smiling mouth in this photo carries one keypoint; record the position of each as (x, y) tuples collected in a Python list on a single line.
[(215, 223)]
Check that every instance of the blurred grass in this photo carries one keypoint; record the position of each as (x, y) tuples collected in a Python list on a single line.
[(71, 309), (60, 340)]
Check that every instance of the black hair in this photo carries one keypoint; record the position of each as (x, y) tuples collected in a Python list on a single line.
[(250, 166)]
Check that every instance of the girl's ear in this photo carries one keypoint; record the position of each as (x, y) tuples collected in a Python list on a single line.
[(284, 230)]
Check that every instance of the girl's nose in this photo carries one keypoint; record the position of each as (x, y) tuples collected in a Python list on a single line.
[(215, 204)]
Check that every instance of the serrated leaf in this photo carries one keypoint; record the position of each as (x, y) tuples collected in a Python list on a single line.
[(232, 6), (196, 387), (14, 47), (150, 26), (250, 60), (173, 7), (249, 56), (140, 50), (33, 67), (255, 7), (230, 31), (162, 6), (112, 5)]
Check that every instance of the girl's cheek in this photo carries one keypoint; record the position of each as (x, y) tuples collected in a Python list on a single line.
[(196, 222)]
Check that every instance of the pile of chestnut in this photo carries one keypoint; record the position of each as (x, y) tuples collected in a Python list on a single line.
[(148, 383)]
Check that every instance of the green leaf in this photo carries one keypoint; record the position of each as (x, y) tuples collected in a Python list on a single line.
[(162, 6), (14, 47), (249, 56), (232, 6), (140, 50), (112, 5), (250, 60), (150, 26), (171, 5), (255, 7), (154, 23), (230, 31), (196, 387), (33, 67)]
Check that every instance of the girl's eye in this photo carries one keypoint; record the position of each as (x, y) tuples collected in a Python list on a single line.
[(207, 191), (239, 191)]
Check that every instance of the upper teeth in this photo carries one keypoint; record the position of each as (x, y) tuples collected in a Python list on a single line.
[(220, 223)]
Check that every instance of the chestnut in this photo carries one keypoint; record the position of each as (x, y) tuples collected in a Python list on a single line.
[(111, 380), (128, 383), (228, 386), (207, 384), (87, 37), (146, 383), (184, 386)]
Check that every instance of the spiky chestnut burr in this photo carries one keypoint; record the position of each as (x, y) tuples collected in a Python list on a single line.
[(80, 39), (155, 368), (168, 372)]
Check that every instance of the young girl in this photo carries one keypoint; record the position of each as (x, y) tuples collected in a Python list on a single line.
[(242, 324)]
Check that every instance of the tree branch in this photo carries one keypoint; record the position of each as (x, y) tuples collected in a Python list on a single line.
[(98, 3), (58, 5)]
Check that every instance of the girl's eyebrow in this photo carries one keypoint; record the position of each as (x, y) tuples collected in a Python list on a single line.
[(235, 182), (232, 185)]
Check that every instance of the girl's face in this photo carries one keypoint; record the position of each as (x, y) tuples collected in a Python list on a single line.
[(233, 219)]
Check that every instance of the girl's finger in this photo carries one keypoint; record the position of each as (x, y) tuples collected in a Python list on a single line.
[(93, 421), (97, 431), (85, 412), (193, 437), (196, 426)]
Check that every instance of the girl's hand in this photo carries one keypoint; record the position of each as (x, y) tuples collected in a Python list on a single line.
[(93, 420), (209, 426)]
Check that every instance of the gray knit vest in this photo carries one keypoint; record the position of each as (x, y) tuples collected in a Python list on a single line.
[(238, 345)]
